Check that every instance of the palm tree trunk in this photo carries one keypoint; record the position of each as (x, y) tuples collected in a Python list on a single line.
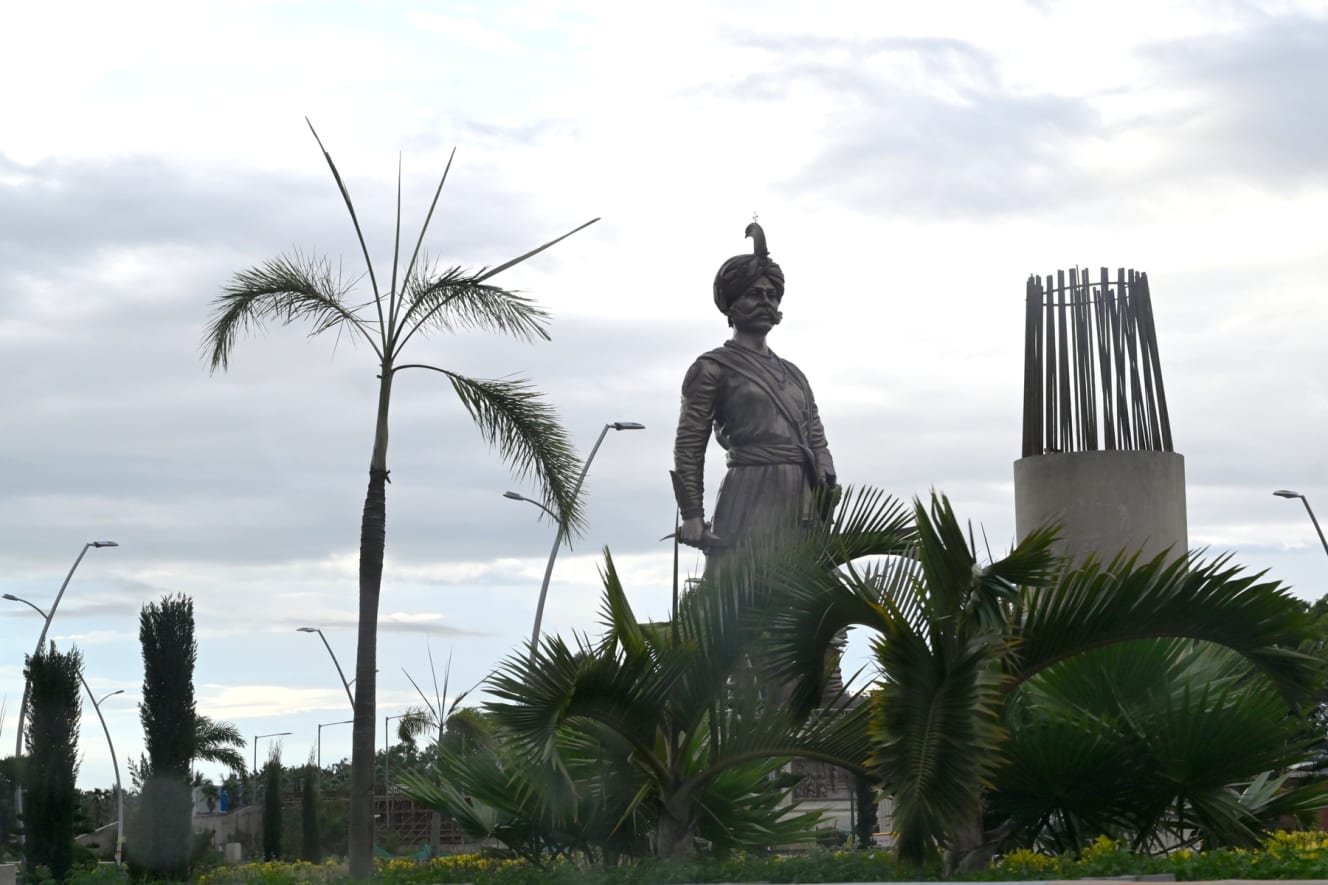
[(373, 540), (673, 829)]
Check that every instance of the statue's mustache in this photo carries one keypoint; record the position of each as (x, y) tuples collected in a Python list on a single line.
[(760, 312)]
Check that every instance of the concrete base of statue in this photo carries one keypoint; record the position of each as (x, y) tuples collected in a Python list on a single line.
[(1105, 502)]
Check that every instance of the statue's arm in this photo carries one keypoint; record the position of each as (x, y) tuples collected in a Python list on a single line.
[(700, 388), (825, 465)]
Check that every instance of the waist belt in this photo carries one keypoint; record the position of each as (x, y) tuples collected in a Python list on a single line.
[(754, 456)]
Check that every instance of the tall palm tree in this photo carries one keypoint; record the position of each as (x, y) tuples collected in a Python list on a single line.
[(955, 638), (509, 413)]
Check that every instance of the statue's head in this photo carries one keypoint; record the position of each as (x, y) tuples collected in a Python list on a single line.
[(741, 273)]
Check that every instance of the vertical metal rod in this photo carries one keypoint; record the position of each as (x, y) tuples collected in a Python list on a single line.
[(1032, 403), (1083, 417), (1104, 361), (1065, 409), (1049, 370), (1090, 377), (1123, 417), (1164, 417), (1138, 300), (1140, 440)]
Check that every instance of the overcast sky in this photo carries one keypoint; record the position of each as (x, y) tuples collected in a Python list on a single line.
[(912, 164)]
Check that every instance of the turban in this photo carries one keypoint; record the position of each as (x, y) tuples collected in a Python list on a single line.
[(738, 273)]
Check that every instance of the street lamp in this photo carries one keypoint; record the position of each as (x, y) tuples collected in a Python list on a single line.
[(558, 534), (96, 704), (321, 726), (274, 734), (517, 496), (337, 663), (1287, 493), (41, 640), (387, 763), (119, 793)]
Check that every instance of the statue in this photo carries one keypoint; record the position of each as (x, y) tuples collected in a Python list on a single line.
[(780, 473)]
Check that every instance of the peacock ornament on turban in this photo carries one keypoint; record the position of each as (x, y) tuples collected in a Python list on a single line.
[(738, 274)]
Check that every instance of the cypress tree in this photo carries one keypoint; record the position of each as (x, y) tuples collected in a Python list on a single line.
[(311, 847), (159, 845), (51, 798), (272, 807)]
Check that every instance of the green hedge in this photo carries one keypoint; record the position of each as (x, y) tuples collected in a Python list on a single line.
[(1301, 855)]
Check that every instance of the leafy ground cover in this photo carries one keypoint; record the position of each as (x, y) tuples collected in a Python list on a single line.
[(1283, 855)]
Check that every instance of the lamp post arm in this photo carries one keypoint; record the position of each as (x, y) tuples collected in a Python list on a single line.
[(41, 640), (551, 514), (337, 664), (557, 542), (1322, 540), (119, 821)]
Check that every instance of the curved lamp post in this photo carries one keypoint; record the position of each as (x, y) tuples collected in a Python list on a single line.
[(335, 662), (41, 640), (96, 705), (558, 534), (1287, 493), (321, 726), (119, 793)]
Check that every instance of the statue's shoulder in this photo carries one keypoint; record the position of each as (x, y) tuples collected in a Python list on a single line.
[(711, 362), (795, 371), (721, 355), (705, 370)]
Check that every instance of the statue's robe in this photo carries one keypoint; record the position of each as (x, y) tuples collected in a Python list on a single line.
[(761, 410)]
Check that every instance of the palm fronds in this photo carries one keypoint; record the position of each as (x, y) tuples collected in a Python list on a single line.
[(513, 418), (1213, 601), (287, 289), (1161, 741), (453, 299), (217, 741), (413, 723)]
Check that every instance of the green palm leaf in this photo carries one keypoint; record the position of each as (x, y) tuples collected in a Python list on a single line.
[(217, 741), (1095, 605), (286, 289), (514, 418), (1146, 740), (453, 300)]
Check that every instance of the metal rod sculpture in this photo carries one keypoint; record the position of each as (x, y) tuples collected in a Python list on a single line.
[(1086, 339)]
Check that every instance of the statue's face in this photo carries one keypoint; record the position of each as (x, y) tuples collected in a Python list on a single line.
[(757, 309)]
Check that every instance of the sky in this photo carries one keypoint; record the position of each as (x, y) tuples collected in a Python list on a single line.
[(912, 164)]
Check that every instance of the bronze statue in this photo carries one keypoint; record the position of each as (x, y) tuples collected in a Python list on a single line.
[(762, 411)]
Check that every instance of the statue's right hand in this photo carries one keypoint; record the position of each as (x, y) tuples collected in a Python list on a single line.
[(692, 532)]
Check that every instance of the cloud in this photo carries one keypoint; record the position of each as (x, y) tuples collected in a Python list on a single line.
[(924, 127), (1245, 103)]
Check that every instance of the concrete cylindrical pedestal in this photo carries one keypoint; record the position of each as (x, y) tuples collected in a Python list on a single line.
[(1105, 501)]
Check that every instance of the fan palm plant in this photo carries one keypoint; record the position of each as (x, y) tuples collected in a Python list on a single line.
[(493, 792), (1158, 743), (954, 638), (680, 710), (418, 300)]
